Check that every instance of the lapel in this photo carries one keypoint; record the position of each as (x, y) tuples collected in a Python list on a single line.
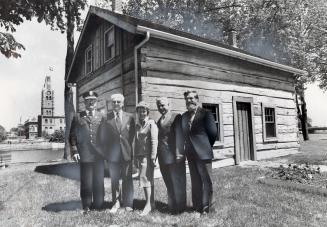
[(185, 118), (112, 121), (124, 120), (196, 117), (85, 117)]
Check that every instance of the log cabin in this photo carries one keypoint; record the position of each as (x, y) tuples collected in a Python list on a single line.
[(251, 98)]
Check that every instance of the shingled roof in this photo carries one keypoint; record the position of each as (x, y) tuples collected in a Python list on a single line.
[(139, 26)]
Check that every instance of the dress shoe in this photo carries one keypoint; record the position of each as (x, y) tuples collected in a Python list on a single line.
[(128, 209), (115, 208), (86, 210), (146, 211)]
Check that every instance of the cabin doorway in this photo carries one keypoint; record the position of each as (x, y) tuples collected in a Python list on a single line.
[(244, 136)]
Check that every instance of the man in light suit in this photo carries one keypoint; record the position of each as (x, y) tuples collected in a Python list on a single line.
[(173, 172), (119, 131), (200, 133), (84, 140)]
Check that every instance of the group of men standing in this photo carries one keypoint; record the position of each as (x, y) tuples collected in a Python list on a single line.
[(95, 137)]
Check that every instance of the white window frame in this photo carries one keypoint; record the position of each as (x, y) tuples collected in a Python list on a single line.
[(89, 48), (111, 28), (264, 132), (220, 140)]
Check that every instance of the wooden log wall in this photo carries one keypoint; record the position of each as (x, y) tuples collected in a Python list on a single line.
[(170, 69), (107, 78)]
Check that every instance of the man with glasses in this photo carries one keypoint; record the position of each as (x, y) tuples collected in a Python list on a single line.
[(118, 134), (84, 140)]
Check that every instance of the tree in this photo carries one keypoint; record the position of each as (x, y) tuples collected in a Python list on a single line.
[(58, 136), (291, 32), (13, 13), (3, 134), (62, 15)]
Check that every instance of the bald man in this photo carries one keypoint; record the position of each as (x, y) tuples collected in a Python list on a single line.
[(172, 171), (119, 130)]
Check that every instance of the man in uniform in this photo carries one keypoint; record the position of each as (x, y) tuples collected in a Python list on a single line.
[(84, 140), (200, 133), (119, 130)]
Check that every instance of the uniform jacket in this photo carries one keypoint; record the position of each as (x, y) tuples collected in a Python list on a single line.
[(146, 139), (84, 137), (202, 134), (167, 138), (117, 142)]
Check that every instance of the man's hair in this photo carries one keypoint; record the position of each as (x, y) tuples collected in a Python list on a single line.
[(117, 96), (162, 99), (186, 93)]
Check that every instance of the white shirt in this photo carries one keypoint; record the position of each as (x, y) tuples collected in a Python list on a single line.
[(120, 115)]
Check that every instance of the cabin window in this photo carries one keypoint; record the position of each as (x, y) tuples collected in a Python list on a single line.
[(88, 60), (109, 44), (216, 110), (269, 123)]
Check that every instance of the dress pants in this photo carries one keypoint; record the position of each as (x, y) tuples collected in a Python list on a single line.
[(92, 184), (202, 192), (124, 191), (174, 176)]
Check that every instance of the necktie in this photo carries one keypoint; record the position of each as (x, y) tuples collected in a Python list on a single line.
[(118, 121), (192, 114)]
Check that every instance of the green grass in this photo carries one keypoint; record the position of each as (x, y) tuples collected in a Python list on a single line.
[(28, 198)]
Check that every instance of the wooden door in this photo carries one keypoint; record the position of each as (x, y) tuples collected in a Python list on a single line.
[(244, 133), (244, 130)]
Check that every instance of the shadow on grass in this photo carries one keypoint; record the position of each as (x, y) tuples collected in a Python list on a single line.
[(67, 170), (63, 206), (77, 205)]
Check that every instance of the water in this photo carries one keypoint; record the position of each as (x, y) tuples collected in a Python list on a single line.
[(34, 155)]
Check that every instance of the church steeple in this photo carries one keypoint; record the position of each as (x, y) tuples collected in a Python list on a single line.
[(47, 98)]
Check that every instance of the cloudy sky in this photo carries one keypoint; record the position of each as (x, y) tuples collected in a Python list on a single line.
[(22, 79)]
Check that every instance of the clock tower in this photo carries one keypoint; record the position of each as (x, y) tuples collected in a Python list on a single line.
[(47, 99)]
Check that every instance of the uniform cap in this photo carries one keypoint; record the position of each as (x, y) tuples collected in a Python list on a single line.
[(90, 95)]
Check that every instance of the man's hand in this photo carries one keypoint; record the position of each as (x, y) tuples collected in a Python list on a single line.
[(179, 158), (153, 162), (76, 157)]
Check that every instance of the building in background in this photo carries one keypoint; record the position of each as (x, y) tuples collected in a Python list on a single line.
[(48, 123), (31, 128)]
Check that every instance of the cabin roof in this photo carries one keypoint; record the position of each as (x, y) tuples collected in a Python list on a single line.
[(139, 26)]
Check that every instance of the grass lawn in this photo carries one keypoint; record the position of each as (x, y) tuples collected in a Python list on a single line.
[(313, 152), (29, 198)]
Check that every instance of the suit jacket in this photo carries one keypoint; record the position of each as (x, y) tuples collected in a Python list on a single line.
[(84, 137), (117, 143), (202, 134), (167, 138)]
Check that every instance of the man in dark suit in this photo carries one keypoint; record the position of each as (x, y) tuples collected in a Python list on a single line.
[(84, 140), (119, 130), (173, 172), (200, 133)]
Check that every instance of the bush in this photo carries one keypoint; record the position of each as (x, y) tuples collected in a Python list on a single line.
[(58, 136)]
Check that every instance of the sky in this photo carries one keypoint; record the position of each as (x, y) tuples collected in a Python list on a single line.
[(22, 79)]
